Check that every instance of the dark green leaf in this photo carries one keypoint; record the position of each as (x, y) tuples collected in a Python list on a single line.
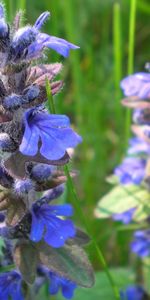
[(25, 258), (69, 261), (81, 238)]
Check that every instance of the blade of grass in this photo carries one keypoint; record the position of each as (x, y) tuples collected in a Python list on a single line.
[(76, 203), (21, 4), (68, 9), (133, 4), (117, 48), (117, 57)]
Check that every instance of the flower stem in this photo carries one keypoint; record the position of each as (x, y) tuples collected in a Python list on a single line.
[(76, 203), (130, 58), (117, 57)]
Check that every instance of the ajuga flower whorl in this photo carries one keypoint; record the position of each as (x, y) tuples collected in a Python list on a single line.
[(33, 144)]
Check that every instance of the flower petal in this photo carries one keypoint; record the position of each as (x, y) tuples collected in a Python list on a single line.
[(41, 20), (56, 236), (37, 228)]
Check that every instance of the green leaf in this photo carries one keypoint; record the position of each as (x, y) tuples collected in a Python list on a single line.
[(2, 245), (69, 261), (25, 257), (121, 199), (102, 289), (81, 238)]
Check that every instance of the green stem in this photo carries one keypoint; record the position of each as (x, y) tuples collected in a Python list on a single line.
[(146, 273), (117, 43), (130, 58), (101, 259), (50, 102), (21, 4), (76, 203)]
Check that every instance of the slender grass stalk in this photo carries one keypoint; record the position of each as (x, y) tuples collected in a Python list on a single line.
[(76, 203), (117, 47), (21, 4), (146, 273), (117, 57), (10, 8), (133, 5), (68, 9)]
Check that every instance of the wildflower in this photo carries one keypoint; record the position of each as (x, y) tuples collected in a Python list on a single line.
[(53, 131), (46, 223), (10, 286), (137, 145), (29, 42), (131, 171), (141, 116), (125, 217), (57, 283), (137, 84), (141, 243), (132, 293)]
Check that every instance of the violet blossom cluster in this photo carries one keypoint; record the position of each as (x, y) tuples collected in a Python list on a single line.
[(38, 235), (135, 167)]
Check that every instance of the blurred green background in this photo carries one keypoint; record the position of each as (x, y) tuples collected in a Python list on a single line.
[(91, 95)]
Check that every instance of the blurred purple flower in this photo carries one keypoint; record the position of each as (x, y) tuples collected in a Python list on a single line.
[(52, 130), (137, 145), (131, 171), (29, 42), (141, 116), (132, 293), (47, 224), (137, 84), (141, 243), (125, 217), (57, 283), (10, 286)]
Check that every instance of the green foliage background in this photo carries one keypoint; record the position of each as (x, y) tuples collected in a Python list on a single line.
[(91, 97)]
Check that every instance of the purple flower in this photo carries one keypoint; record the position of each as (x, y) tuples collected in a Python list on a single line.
[(131, 171), (137, 84), (4, 30), (132, 293), (10, 286), (44, 40), (52, 131), (125, 217), (57, 283), (46, 223), (141, 116), (141, 243), (29, 42), (137, 145)]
